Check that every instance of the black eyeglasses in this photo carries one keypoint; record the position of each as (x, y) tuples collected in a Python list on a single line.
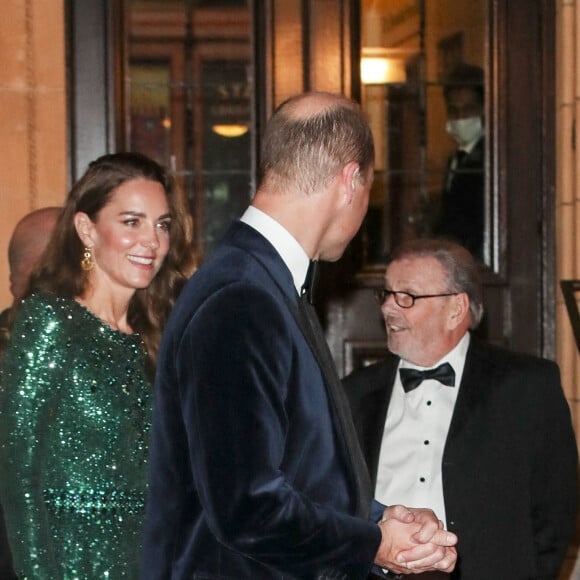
[(404, 299)]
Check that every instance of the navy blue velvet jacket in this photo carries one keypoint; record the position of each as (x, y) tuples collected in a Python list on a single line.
[(247, 475)]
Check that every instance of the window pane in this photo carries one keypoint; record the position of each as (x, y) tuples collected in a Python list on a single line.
[(426, 106), (189, 102)]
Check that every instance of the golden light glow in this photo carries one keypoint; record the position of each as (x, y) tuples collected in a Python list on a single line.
[(379, 67), (230, 130)]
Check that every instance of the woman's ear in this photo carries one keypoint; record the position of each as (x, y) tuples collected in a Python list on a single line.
[(84, 228)]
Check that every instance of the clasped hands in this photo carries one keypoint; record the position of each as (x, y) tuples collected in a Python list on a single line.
[(414, 541)]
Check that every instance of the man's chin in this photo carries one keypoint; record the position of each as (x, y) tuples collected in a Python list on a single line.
[(394, 347)]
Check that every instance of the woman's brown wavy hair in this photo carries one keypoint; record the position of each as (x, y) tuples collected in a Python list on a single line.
[(59, 270)]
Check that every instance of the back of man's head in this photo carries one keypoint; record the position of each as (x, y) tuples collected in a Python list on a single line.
[(310, 137), (28, 241)]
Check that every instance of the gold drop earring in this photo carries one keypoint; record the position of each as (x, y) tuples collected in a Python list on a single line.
[(87, 262)]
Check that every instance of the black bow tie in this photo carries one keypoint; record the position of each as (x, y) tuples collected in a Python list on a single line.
[(412, 378), (308, 286)]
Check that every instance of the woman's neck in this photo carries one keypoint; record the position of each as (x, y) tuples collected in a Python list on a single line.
[(109, 308)]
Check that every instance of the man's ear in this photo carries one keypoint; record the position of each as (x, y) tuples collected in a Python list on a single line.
[(350, 176), (459, 310), (84, 228)]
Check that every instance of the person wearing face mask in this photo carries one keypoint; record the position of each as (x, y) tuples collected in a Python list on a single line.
[(462, 201)]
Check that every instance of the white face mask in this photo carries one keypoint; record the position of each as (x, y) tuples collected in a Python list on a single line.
[(464, 131)]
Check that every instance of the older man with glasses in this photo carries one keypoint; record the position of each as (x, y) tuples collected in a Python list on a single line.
[(481, 435)]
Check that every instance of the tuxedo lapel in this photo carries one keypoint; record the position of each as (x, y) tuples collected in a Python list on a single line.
[(246, 237), (369, 391), (310, 326), (376, 405), (477, 374)]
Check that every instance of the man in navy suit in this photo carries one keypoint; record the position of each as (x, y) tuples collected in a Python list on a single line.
[(255, 469), (481, 435)]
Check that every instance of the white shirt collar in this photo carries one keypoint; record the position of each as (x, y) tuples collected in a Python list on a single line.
[(291, 252), (471, 145)]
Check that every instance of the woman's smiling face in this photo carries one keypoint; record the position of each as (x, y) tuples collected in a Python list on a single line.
[(130, 237)]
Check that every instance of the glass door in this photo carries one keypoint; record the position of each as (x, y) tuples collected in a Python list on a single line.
[(423, 71), (189, 102)]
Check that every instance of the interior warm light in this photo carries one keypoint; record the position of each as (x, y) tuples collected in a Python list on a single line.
[(230, 130), (379, 67)]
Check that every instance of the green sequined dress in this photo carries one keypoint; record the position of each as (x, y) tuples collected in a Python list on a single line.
[(75, 411)]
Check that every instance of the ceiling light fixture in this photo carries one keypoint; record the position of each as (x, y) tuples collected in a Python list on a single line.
[(230, 130), (381, 66)]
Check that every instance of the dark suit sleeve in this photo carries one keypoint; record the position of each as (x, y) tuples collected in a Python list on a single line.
[(554, 479), (237, 364)]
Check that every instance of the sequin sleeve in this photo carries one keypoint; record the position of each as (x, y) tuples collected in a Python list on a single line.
[(29, 380), (75, 408)]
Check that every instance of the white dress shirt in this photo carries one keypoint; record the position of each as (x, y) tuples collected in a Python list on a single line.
[(409, 469), (291, 252)]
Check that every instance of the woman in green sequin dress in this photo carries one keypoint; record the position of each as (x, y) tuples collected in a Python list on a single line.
[(75, 384)]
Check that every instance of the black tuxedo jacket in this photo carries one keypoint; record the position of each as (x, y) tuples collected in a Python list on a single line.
[(462, 202), (250, 476), (509, 463)]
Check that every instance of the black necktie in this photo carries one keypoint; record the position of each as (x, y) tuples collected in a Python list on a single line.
[(460, 156), (412, 378), (308, 286)]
